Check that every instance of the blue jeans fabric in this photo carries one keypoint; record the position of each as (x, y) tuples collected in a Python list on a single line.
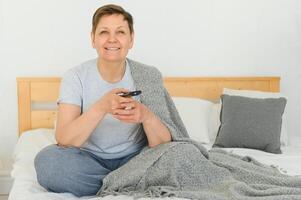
[(70, 169)]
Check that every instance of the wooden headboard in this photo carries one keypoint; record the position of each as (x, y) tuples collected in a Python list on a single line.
[(46, 89)]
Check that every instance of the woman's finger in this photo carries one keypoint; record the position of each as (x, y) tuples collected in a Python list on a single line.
[(126, 118), (128, 106), (123, 112), (125, 99)]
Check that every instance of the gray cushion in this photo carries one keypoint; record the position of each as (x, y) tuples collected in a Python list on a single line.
[(251, 123)]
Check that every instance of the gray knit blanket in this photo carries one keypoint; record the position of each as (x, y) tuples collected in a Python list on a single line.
[(183, 168), (186, 170)]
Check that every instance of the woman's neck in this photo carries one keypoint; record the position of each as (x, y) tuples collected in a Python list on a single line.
[(111, 72)]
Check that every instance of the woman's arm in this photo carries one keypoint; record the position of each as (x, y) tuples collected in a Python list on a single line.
[(74, 128), (156, 131)]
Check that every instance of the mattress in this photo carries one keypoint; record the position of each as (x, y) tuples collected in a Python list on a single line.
[(25, 184)]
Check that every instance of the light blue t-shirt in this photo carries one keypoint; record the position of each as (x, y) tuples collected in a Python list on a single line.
[(112, 138)]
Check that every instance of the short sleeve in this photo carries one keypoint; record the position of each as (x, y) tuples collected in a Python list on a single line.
[(71, 89)]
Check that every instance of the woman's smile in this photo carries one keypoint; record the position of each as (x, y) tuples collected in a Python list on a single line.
[(112, 48)]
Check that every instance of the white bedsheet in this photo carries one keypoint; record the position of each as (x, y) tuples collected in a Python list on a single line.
[(25, 186), (31, 142), (289, 162)]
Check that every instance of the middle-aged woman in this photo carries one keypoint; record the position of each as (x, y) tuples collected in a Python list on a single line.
[(97, 129)]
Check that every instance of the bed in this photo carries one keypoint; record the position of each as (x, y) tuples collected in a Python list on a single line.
[(37, 114)]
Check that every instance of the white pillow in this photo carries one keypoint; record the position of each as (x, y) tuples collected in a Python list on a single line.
[(214, 121), (195, 114), (27, 147), (215, 112)]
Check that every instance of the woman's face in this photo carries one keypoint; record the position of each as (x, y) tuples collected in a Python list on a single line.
[(112, 38)]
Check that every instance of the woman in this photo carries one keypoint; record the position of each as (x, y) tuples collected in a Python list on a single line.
[(97, 129)]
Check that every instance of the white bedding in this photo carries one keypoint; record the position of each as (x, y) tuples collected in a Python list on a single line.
[(31, 142), (289, 162), (25, 186)]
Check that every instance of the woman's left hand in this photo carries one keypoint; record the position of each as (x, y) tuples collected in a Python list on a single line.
[(136, 112), (132, 112)]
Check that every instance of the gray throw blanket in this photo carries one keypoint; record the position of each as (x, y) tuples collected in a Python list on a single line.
[(186, 170), (183, 168)]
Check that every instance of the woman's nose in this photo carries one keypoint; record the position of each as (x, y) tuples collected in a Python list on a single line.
[(112, 38)]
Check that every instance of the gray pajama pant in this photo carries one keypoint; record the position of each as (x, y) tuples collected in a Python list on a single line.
[(70, 169)]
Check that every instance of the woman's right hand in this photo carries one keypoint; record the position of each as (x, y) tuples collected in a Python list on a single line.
[(111, 100), (74, 128)]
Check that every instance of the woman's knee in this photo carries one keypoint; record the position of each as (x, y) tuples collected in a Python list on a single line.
[(44, 162), (62, 169)]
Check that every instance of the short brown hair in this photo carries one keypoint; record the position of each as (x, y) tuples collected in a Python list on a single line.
[(111, 9)]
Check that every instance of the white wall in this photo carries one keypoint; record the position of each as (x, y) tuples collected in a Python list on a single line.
[(181, 38)]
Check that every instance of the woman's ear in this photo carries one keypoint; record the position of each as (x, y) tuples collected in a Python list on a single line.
[(92, 39)]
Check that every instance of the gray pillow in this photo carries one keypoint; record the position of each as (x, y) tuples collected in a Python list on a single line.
[(251, 123)]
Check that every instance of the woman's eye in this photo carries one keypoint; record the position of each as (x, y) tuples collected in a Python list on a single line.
[(103, 32), (120, 32)]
